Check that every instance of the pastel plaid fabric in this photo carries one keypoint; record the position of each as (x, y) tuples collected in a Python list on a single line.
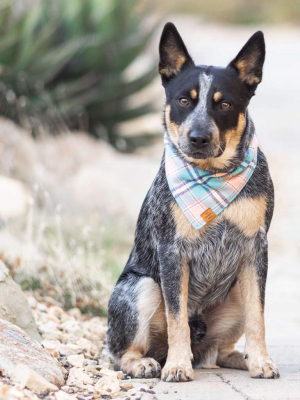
[(202, 195)]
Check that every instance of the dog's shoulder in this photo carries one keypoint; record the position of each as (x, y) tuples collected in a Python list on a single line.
[(258, 193), (260, 183)]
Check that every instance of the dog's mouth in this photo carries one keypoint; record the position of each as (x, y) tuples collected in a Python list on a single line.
[(203, 154)]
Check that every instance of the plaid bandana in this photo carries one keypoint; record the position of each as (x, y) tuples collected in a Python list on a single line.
[(200, 194)]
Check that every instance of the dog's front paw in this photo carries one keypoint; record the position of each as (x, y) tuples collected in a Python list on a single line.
[(145, 368), (181, 372), (263, 369)]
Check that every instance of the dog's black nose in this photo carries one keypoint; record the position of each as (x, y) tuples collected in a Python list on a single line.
[(199, 139)]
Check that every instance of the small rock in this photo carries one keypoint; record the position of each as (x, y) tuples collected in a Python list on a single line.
[(63, 396), (51, 346), (72, 327), (26, 377), (77, 376), (48, 327), (90, 388), (76, 360), (91, 369), (108, 385), (147, 396), (90, 362), (126, 385), (75, 312), (85, 344), (109, 372), (55, 310), (68, 350)]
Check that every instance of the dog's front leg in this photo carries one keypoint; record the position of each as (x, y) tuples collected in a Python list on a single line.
[(252, 279), (174, 274)]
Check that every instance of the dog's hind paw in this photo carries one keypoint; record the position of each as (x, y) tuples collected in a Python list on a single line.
[(263, 369), (145, 368)]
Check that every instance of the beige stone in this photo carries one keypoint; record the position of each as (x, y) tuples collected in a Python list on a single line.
[(108, 385), (109, 372), (13, 304), (76, 375), (18, 348), (15, 198), (63, 396), (76, 360), (26, 377)]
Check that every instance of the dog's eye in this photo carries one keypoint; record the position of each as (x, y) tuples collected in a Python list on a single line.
[(225, 105), (183, 101)]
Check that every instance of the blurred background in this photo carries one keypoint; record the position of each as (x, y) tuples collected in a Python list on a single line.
[(81, 134)]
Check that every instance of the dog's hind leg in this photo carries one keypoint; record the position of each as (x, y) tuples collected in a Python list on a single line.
[(228, 357), (225, 325), (231, 327), (135, 307)]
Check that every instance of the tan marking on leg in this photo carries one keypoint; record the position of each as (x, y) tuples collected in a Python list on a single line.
[(257, 359), (178, 366), (149, 304), (158, 321), (217, 96), (232, 138), (248, 214), (193, 94)]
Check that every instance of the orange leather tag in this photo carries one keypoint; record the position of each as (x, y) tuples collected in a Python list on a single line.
[(208, 215)]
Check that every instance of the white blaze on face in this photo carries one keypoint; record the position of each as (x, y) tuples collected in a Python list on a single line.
[(200, 112), (205, 82)]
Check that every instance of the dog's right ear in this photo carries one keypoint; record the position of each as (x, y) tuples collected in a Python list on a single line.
[(173, 53)]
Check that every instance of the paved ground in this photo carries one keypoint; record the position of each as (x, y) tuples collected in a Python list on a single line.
[(233, 385)]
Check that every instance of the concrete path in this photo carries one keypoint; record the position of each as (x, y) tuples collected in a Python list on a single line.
[(226, 384)]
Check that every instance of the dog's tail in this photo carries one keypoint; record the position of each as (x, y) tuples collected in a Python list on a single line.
[(198, 328)]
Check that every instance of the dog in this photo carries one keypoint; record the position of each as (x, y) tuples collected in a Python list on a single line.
[(195, 283)]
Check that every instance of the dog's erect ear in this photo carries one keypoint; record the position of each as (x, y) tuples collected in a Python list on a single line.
[(173, 53), (250, 60)]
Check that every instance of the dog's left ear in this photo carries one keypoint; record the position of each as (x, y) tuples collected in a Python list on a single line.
[(173, 53), (250, 60)]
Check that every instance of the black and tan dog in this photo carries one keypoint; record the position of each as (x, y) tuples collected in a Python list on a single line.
[(186, 295)]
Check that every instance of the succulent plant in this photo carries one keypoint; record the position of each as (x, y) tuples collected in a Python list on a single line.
[(62, 64)]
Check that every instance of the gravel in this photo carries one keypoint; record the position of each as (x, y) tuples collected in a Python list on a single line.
[(78, 342)]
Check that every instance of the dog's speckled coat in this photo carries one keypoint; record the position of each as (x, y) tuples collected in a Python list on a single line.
[(188, 295)]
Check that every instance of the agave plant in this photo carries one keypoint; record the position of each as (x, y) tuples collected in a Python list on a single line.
[(62, 64)]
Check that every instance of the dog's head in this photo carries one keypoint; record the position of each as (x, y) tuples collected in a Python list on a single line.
[(205, 112)]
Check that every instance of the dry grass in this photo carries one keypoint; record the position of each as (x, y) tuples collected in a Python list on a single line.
[(65, 257)]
